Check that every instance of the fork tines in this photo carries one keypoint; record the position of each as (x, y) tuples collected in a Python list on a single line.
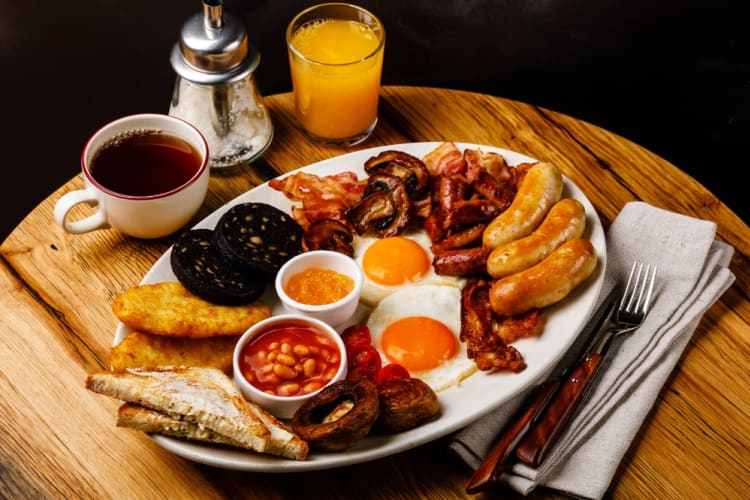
[(637, 295)]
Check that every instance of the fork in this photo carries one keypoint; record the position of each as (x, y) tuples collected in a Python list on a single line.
[(631, 311)]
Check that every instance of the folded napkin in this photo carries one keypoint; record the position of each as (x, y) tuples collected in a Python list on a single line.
[(692, 275)]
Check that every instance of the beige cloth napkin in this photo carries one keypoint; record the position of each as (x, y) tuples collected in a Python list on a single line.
[(692, 275)]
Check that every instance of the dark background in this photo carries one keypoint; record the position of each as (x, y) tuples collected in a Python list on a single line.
[(671, 75)]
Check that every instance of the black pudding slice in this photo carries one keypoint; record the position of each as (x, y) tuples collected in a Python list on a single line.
[(260, 237), (204, 270)]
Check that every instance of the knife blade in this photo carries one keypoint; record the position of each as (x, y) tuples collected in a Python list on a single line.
[(538, 400)]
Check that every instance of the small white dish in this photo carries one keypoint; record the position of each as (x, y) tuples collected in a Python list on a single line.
[(289, 326), (335, 313)]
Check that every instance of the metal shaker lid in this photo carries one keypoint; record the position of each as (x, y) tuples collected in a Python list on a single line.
[(213, 47)]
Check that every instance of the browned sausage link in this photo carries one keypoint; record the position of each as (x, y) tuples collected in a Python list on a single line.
[(547, 282), (471, 236), (450, 191), (471, 212), (565, 220), (460, 261), (540, 188)]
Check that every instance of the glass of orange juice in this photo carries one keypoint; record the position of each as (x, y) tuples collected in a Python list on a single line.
[(335, 59)]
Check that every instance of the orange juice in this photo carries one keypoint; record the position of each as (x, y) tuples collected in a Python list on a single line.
[(335, 66)]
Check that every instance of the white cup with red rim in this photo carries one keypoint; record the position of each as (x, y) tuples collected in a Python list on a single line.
[(146, 174)]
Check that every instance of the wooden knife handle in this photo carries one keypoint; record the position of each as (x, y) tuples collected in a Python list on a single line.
[(513, 433), (533, 449)]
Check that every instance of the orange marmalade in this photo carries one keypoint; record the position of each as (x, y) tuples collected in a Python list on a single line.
[(317, 286)]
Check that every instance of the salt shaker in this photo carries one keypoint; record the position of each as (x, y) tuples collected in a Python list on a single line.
[(215, 88)]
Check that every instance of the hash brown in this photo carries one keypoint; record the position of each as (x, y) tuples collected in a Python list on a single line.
[(168, 308), (145, 350)]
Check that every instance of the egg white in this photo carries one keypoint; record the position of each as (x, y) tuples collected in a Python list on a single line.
[(439, 302), (373, 293)]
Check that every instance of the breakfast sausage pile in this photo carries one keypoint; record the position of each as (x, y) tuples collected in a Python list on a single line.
[(529, 255), (506, 229)]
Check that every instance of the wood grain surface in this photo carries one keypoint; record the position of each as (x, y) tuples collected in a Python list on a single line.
[(58, 440)]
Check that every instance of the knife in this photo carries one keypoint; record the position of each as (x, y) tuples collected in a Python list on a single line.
[(537, 402)]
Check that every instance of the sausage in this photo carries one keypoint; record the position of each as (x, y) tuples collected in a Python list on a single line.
[(460, 261), (540, 188), (564, 221), (545, 283)]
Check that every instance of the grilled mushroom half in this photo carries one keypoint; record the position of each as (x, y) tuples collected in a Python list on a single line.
[(405, 403), (328, 234), (410, 169), (339, 415), (384, 208)]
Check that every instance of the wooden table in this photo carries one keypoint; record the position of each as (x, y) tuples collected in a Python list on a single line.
[(58, 440)]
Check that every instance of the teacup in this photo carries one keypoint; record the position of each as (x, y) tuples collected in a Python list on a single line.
[(147, 175)]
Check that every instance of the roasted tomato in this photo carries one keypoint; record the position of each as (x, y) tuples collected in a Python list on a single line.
[(391, 371), (364, 361), (356, 334)]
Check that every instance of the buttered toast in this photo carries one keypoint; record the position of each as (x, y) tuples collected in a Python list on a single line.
[(282, 442), (204, 397)]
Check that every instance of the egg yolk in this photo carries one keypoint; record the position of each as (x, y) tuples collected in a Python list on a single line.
[(418, 343), (395, 261)]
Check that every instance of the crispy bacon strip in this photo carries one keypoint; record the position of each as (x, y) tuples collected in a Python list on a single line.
[(487, 349), (476, 315), (493, 164), (446, 159), (320, 197), (507, 358), (512, 328)]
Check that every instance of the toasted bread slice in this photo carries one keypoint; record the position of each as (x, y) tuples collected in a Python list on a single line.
[(282, 443), (200, 395), (147, 420)]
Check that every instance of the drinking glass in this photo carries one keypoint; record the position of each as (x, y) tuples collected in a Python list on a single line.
[(336, 59)]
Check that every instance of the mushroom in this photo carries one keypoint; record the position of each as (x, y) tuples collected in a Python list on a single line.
[(384, 212), (405, 403), (381, 182), (410, 169), (328, 234), (339, 415)]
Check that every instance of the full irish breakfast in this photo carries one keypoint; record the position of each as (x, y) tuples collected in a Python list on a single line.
[(462, 255)]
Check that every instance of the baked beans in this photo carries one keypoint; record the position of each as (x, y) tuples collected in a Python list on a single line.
[(290, 359)]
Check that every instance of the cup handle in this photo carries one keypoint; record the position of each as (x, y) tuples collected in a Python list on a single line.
[(73, 198)]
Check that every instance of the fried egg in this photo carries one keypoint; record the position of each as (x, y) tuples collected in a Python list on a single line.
[(390, 264), (418, 327)]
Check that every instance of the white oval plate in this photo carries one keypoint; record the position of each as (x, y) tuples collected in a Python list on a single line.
[(473, 398)]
